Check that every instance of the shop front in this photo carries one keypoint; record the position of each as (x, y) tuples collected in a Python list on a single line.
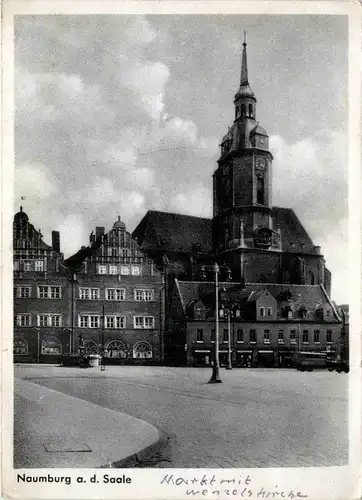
[(202, 357), (285, 358), (223, 358), (266, 358), (244, 358)]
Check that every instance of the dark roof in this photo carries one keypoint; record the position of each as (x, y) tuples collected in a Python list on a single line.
[(173, 232), (310, 296), (76, 260), (295, 238), (177, 232)]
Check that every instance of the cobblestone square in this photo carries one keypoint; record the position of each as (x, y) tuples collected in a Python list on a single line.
[(255, 418)]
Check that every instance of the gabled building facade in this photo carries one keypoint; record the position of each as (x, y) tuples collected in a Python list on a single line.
[(267, 323), (41, 295), (117, 299)]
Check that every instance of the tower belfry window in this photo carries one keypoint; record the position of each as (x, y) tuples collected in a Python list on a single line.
[(251, 110), (243, 110), (260, 191)]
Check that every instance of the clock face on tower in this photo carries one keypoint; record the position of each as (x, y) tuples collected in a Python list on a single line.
[(260, 166)]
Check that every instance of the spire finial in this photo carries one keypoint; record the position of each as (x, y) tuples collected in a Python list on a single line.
[(244, 64), (21, 208)]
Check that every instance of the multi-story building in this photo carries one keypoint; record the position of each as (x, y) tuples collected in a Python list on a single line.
[(41, 295), (266, 323), (117, 299)]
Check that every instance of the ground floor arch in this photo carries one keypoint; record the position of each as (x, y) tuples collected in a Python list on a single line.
[(51, 345)]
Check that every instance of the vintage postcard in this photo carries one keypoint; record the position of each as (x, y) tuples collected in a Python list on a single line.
[(181, 270)]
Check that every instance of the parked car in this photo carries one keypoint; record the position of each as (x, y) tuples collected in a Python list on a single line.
[(338, 365), (309, 360)]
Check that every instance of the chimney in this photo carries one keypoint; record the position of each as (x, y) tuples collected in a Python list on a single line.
[(99, 231), (56, 241)]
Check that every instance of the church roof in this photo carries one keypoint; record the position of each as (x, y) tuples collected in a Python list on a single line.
[(295, 238), (173, 232), (179, 233)]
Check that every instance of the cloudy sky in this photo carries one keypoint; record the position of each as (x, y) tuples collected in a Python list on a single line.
[(119, 114)]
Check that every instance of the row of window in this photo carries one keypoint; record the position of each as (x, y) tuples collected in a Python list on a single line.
[(113, 348), (86, 321), (305, 338), (39, 265), (29, 265), (122, 269), (55, 292)]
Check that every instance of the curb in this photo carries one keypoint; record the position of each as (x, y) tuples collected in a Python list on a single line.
[(143, 455)]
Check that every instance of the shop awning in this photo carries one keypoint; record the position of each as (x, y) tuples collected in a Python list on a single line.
[(266, 352), (244, 351), (202, 351)]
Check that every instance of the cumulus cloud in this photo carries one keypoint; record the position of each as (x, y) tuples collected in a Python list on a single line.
[(35, 181), (313, 170), (196, 201)]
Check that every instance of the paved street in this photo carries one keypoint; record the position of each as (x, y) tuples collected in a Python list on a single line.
[(256, 418)]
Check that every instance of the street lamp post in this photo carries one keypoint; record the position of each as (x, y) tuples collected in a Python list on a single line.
[(215, 377), (229, 365)]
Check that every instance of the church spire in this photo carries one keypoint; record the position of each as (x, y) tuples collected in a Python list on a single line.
[(244, 88), (244, 65)]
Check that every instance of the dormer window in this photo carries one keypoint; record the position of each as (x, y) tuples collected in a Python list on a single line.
[(303, 312), (262, 311), (319, 313), (288, 312)]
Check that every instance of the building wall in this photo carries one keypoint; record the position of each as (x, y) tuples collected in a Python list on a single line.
[(127, 307), (35, 334), (260, 345)]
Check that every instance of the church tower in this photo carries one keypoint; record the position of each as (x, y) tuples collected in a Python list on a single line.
[(242, 215)]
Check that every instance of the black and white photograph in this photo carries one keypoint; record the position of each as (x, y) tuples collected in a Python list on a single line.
[(180, 251)]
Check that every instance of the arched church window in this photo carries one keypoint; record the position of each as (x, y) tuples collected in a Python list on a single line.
[(243, 110), (260, 191), (310, 278), (115, 349), (142, 350), (251, 110)]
